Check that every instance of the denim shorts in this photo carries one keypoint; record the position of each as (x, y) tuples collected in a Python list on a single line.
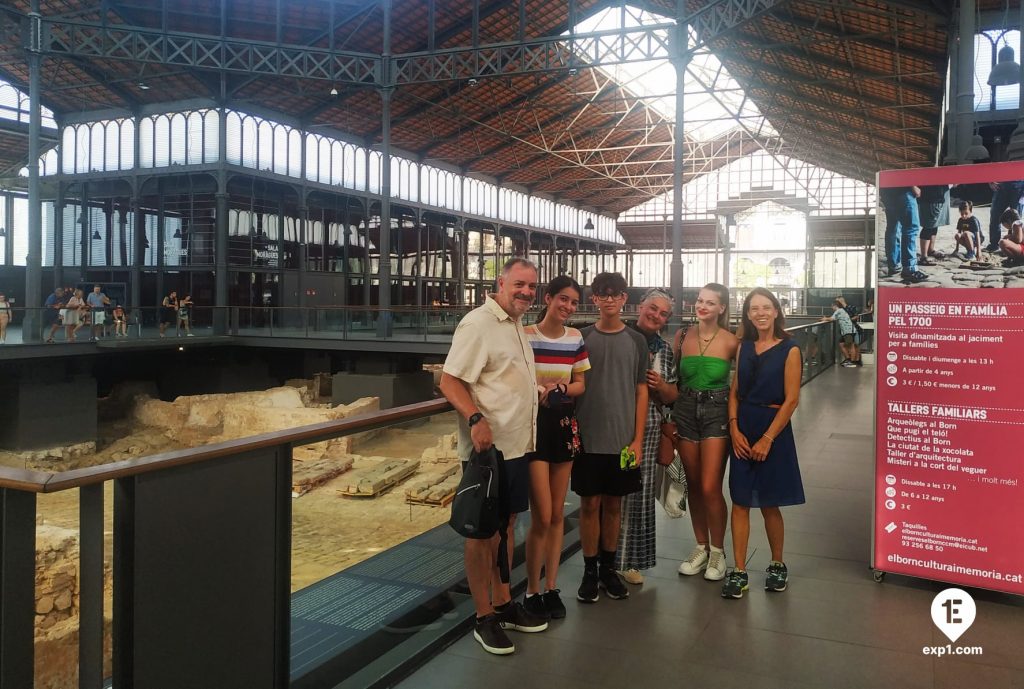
[(702, 414)]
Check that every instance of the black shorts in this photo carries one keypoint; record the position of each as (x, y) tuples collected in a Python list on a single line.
[(594, 474), (928, 232), (514, 477), (558, 435), (168, 315)]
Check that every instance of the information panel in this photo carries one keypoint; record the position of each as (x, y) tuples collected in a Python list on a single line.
[(949, 478)]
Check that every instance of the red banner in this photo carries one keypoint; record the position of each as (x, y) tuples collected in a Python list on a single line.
[(949, 482)]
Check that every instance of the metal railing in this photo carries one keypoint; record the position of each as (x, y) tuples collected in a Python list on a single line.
[(399, 323), (201, 553)]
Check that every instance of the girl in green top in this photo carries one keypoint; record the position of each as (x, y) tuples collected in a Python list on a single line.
[(705, 353)]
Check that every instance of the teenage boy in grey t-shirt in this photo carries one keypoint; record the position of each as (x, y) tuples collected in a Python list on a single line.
[(612, 414)]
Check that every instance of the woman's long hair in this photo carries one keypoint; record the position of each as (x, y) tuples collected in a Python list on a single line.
[(747, 330), (723, 297), (556, 286)]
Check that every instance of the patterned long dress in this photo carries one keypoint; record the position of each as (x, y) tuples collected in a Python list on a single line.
[(636, 537)]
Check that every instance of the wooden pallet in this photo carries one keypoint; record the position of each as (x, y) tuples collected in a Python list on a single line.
[(443, 502)]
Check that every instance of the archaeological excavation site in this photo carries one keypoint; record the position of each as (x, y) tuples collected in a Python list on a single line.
[(351, 497)]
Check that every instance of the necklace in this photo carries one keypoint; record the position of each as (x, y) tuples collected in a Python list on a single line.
[(707, 341)]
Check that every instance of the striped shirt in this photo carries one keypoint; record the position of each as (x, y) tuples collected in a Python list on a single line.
[(557, 359)]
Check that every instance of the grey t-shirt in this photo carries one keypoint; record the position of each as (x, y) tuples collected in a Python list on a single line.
[(606, 411)]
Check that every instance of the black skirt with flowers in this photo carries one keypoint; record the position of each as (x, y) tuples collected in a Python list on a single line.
[(558, 434)]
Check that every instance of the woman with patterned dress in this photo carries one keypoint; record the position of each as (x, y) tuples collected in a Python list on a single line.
[(636, 550), (763, 469), (561, 359), (705, 353)]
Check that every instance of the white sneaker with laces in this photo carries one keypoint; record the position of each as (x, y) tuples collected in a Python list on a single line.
[(695, 562), (716, 566)]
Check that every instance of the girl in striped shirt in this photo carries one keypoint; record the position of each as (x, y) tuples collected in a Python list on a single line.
[(561, 359)]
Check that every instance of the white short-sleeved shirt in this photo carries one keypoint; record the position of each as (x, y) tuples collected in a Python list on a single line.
[(490, 352)]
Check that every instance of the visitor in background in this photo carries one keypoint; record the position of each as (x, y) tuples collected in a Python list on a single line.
[(120, 321), (613, 415), (706, 351), (763, 468), (5, 317), (185, 315), (489, 378), (637, 547), (561, 360), (75, 309), (97, 302), (53, 309), (847, 334), (168, 312)]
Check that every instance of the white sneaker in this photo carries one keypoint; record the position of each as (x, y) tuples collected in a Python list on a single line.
[(716, 566), (632, 576), (695, 562)]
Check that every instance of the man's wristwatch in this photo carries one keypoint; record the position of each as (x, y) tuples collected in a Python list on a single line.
[(475, 418)]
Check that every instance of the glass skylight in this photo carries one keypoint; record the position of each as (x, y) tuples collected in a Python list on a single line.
[(714, 102)]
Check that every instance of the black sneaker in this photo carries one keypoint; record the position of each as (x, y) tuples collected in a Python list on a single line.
[(492, 637), (553, 604), (858, 363), (535, 605), (612, 585), (587, 592), (778, 575), (895, 270), (913, 276), (516, 618), (991, 249)]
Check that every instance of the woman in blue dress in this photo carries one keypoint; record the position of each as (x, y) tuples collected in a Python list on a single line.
[(763, 469)]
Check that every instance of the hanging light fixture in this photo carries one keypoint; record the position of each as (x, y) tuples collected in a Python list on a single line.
[(177, 232), (96, 234), (3, 231), (1007, 71), (977, 150), (589, 225)]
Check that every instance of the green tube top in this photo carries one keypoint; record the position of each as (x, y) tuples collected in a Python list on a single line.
[(704, 372)]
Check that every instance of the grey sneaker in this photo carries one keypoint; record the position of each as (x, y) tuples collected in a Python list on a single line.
[(778, 577), (735, 585), (695, 562)]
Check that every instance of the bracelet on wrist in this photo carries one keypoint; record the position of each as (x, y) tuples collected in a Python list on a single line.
[(770, 439)]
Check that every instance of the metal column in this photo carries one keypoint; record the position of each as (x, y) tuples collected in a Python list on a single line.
[(680, 60), (965, 80), (33, 261)]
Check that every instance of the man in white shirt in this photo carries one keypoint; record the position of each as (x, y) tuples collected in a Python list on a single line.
[(489, 378)]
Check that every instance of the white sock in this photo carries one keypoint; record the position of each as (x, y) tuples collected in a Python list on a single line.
[(717, 550)]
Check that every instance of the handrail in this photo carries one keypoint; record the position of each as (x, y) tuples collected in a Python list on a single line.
[(42, 482)]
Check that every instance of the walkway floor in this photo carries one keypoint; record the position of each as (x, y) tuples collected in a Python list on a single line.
[(834, 627)]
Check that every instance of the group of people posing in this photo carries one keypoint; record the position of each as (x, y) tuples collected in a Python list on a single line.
[(588, 409)]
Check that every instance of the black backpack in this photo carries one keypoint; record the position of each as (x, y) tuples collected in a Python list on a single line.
[(479, 510), (476, 508)]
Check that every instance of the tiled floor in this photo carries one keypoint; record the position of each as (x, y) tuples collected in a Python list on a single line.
[(834, 627)]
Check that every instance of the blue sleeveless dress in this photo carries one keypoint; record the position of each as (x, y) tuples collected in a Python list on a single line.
[(760, 380)]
